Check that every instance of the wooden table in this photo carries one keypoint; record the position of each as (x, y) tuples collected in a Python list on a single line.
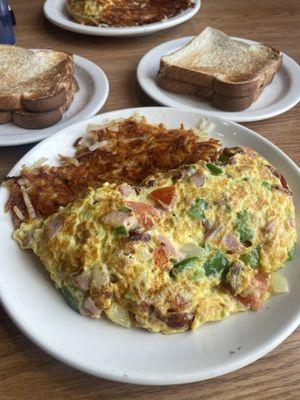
[(26, 372)]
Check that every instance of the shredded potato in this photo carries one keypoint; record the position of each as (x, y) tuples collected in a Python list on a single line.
[(126, 150)]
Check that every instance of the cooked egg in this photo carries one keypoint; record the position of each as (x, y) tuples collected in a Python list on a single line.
[(189, 246)]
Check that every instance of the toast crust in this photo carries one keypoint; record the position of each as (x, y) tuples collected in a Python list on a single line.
[(220, 101), (5, 116), (46, 103), (39, 120), (175, 86), (30, 120)]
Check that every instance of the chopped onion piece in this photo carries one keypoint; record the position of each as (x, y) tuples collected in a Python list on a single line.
[(191, 250), (18, 213), (29, 206), (39, 162), (98, 145), (119, 315), (279, 283), (69, 160)]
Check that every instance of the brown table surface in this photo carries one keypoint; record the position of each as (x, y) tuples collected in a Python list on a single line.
[(26, 372)]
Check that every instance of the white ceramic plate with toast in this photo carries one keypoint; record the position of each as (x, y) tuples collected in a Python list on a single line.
[(280, 96), (104, 349), (88, 100), (56, 12)]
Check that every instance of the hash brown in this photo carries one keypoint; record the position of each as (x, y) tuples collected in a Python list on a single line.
[(123, 151)]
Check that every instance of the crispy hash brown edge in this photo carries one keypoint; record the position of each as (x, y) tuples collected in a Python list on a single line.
[(127, 150)]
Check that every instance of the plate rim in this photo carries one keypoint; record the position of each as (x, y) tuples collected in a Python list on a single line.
[(72, 26), (95, 104), (139, 379), (156, 92)]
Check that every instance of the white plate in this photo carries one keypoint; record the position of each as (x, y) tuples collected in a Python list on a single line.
[(90, 98), (280, 96), (56, 12), (134, 355)]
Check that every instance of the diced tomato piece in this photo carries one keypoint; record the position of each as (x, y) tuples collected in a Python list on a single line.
[(169, 248), (144, 212), (259, 286), (163, 196), (160, 257)]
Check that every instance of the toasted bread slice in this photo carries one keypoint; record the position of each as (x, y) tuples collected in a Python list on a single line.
[(33, 80), (5, 116), (39, 120), (228, 67), (225, 103)]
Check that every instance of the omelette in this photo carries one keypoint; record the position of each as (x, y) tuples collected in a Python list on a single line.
[(123, 13), (187, 246)]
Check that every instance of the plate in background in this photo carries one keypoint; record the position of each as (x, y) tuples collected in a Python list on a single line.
[(280, 96), (56, 12), (104, 349), (88, 100)]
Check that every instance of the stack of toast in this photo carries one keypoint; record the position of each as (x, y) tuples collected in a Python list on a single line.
[(36, 87), (229, 73)]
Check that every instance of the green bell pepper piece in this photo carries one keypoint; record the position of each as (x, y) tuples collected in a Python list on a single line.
[(196, 211), (216, 265), (213, 169)]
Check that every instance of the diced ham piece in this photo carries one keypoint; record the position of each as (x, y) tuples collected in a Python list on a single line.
[(89, 308), (139, 237), (179, 319), (144, 212), (53, 227), (164, 196), (284, 183), (282, 189), (116, 218), (210, 230), (26, 239), (292, 223), (175, 319), (269, 228), (253, 297), (126, 190), (279, 175), (199, 179), (232, 243), (82, 282)]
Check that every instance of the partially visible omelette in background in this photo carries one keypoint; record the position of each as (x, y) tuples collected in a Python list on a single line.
[(124, 13), (188, 246)]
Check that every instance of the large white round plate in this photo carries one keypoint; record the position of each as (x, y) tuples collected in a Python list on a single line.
[(56, 12), (280, 96), (90, 98), (133, 355)]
